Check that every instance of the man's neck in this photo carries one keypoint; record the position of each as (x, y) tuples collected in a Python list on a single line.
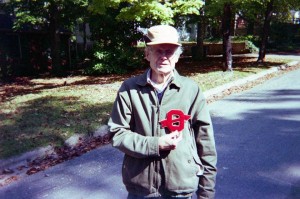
[(160, 79)]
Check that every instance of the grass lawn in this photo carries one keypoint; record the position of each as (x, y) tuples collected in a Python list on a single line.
[(37, 112)]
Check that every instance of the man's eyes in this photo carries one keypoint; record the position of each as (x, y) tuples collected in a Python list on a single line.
[(168, 52)]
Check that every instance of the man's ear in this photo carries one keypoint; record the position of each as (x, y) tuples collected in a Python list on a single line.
[(147, 54)]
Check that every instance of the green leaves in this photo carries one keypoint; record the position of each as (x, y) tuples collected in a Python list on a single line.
[(153, 10), (184, 7), (100, 6), (140, 10), (37, 13), (25, 17)]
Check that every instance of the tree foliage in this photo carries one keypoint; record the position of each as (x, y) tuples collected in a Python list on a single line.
[(37, 13), (114, 23), (114, 50), (264, 13), (258, 13), (51, 16), (163, 11)]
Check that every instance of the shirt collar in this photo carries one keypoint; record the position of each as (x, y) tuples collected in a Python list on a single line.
[(151, 82), (160, 88), (143, 79)]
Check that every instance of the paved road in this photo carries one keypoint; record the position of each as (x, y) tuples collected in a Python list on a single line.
[(258, 142), (94, 175)]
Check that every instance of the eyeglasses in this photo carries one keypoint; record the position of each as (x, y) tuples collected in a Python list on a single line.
[(164, 53)]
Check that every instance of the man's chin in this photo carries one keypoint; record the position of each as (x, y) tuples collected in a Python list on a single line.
[(165, 72), (165, 68)]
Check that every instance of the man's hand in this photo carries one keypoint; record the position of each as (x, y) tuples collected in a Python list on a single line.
[(170, 141)]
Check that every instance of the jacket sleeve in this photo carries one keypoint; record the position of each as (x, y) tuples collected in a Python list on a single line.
[(205, 142), (129, 142)]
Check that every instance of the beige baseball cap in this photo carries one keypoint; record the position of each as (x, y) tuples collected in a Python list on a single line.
[(162, 34)]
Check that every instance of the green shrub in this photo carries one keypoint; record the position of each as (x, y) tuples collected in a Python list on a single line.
[(251, 42), (284, 36), (251, 47), (119, 60)]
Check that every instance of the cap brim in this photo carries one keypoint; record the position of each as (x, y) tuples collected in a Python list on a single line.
[(157, 43)]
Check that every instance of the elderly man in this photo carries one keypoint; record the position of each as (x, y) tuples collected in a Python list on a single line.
[(161, 122)]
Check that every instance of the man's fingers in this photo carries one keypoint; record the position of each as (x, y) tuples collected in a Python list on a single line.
[(170, 141), (175, 134)]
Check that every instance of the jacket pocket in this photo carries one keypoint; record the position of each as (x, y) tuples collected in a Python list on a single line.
[(182, 169), (138, 174), (195, 153), (199, 164)]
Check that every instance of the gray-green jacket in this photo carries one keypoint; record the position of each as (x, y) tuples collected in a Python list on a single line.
[(135, 122)]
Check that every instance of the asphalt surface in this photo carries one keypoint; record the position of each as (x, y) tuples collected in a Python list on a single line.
[(258, 141), (94, 175)]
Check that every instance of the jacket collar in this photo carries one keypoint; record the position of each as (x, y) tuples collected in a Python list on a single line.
[(142, 79)]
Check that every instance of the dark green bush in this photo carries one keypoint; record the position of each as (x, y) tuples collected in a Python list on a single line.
[(119, 60), (284, 36)]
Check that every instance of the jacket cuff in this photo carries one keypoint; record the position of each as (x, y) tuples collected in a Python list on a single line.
[(153, 146)]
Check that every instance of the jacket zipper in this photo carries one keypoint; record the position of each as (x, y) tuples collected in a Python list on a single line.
[(158, 180), (157, 130)]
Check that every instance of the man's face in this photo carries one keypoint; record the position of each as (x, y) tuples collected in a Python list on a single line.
[(162, 58)]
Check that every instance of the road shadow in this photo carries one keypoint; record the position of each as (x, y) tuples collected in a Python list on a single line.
[(96, 174), (258, 148)]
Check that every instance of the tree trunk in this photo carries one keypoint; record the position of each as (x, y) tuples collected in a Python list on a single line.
[(55, 39), (226, 30), (198, 50), (266, 31), (85, 37)]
